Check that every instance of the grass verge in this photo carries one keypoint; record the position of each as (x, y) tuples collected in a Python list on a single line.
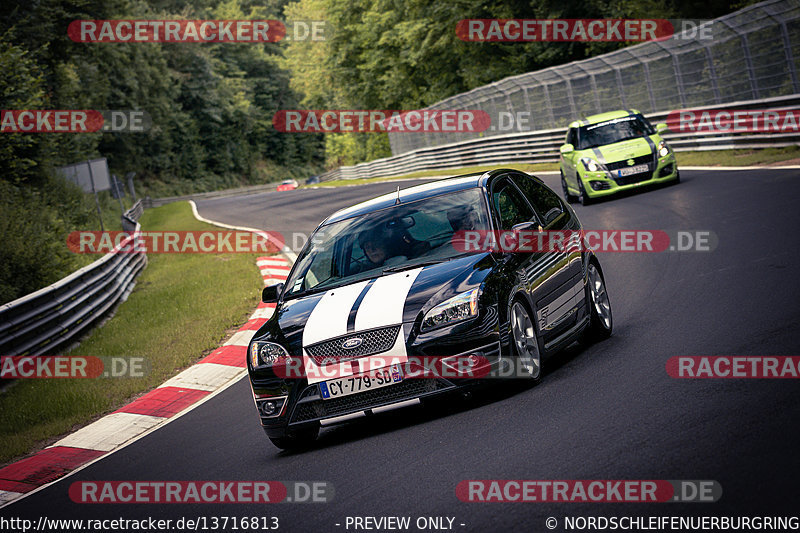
[(180, 309), (761, 156)]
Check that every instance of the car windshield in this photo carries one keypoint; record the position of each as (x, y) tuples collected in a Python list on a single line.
[(613, 131), (403, 236)]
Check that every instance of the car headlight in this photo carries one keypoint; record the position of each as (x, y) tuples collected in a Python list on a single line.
[(590, 164), (663, 149), (264, 354), (457, 308)]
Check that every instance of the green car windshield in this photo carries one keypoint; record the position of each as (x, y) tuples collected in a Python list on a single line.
[(613, 131), (389, 240)]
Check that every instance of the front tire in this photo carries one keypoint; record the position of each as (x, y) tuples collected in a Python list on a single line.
[(584, 196), (601, 322), (526, 345), (297, 441)]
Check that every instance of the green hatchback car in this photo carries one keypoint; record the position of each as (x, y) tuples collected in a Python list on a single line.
[(612, 152)]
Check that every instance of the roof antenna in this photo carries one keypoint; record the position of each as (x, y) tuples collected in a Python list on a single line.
[(398, 196)]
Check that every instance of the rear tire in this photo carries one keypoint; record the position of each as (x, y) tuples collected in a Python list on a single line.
[(601, 322), (297, 441)]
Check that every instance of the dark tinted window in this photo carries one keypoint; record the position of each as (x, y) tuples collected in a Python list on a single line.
[(547, 203), (510, 205), (361, 247), (572, 138), (613, 131)]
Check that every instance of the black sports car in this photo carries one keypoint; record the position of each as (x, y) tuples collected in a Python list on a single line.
[(383, 307)]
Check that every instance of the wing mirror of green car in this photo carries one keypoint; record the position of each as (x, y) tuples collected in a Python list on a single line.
[(566, 149), (661, 127), (272, 293)]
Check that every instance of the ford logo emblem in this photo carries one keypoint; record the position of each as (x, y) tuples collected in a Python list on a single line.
[(349, 344)]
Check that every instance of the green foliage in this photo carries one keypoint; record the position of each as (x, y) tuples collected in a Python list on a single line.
[(211, 107), (404, 54), (34, 224)]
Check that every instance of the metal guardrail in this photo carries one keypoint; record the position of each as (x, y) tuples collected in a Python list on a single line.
[(542, 146), (132, 216), (42, 321)]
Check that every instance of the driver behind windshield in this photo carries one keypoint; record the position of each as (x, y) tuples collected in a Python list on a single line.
[(389, 244), (375, 244)]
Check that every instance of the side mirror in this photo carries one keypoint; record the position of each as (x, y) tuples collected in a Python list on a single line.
[(661, 127), (566, 149), (272, 293)]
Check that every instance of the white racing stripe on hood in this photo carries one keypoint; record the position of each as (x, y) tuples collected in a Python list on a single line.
[(381, 306), (329, 317)]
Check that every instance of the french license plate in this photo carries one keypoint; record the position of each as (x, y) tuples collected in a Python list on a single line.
[(383, 377), (636, 169)]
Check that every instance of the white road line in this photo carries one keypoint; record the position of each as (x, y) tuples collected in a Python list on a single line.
[(286, 250)]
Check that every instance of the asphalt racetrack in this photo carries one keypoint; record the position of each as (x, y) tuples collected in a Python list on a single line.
[(609, 411)]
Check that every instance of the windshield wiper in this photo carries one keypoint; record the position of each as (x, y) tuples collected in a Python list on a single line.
[(409, 266)]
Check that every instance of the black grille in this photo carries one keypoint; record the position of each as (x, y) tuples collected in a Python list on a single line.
[(642, 159), (633, 178), (372, 342), (405, 390)]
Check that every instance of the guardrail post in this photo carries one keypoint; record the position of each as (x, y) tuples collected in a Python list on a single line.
[(748, 60), (713, 73), (620, 87), (787, 49)]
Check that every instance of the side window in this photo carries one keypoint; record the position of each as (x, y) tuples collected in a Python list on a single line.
[(546, 203), (510, 205), (572, 138)]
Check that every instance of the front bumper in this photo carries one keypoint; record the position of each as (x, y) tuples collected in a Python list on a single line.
[(304, 406), (606, 183)]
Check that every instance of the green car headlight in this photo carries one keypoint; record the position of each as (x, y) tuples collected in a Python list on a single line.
[(663, 149), (456, 309), (590, 164), (266, 354)]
